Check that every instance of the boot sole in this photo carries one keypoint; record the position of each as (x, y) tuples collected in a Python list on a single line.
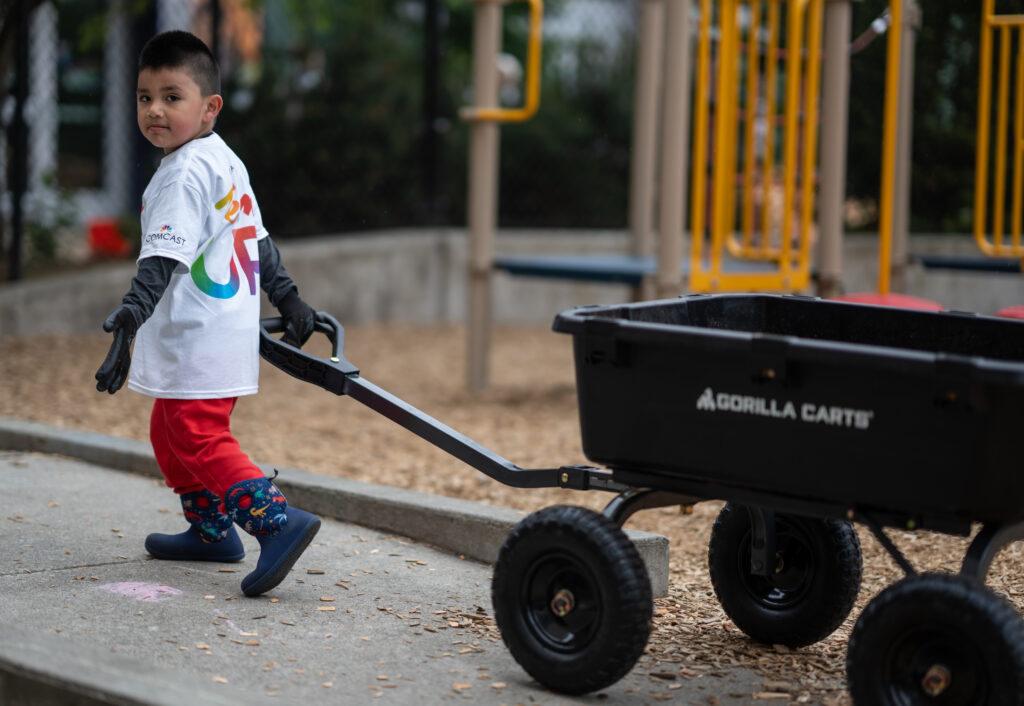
[(195, 556), (273, 578), (233, 559)]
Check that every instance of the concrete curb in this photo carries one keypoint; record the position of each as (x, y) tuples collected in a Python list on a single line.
[(471, 529), (42, 670)]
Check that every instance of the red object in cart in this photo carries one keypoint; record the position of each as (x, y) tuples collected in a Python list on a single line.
[(1012, 312), (903, 301)]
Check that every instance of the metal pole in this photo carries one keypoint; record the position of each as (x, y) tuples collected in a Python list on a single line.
[(645, 124), (904, 147), (19, 142), (891, 106), (834, 119), (483, 188), (675, 129)]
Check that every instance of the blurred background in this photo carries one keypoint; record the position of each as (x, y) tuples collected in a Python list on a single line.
[(346, 114)]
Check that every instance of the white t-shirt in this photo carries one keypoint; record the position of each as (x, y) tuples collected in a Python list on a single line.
[(202, 341)]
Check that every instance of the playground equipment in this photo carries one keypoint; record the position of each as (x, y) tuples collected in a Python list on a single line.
[(785, 243), (925, 407), (484, 119), (755, 136), (895, 179), (730, 93), (997, 155), (735, 106), (990, 224)]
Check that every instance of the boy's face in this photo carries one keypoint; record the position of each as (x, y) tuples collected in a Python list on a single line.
[(171, 108)]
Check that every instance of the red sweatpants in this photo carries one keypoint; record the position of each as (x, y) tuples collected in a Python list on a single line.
[(194, 447)]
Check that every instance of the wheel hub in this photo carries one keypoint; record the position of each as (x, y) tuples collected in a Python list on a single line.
[(563, 602), (936, 680)]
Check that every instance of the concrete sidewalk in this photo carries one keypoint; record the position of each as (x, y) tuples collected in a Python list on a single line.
[(471, 529), (392, 603), (89, 618)]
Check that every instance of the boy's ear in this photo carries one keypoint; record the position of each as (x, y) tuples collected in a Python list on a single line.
[(213, 105)]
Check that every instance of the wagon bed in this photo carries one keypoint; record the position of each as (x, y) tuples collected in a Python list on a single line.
[(912, 415)]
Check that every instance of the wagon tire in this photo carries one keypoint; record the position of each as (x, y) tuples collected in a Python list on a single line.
[(572, 599), (937, 638), (814, 587)]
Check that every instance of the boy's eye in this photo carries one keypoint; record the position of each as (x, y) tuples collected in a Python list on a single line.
[(143, 99)]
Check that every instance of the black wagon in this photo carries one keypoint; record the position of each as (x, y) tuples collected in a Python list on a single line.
[(806, 416)]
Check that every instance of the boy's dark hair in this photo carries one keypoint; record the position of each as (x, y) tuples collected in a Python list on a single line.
[(182, 50)]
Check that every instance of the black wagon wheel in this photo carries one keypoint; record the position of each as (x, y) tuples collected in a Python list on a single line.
[(572, 599), (811, 588), (937, 639)]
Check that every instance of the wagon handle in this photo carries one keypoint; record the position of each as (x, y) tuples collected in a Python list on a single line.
[(339, 376), (322, 322), (297, 363)]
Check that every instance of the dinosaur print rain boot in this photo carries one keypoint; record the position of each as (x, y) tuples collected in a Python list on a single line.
[(210, 537), (259, 508)]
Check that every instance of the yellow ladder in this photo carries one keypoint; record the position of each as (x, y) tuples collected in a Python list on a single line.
[(768, 75)]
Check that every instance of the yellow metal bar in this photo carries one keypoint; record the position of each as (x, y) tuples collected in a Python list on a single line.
[(771, 106), (1002, 101), (532, 102), (794, 63), (725, 121), (749, 164), (892, 79), (981, 142), (700, 140), (815, 20), (999, 20), (1018, 141)]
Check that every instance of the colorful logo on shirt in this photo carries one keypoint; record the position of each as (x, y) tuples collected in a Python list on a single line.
[(251, 268), (244, 204), (167, 234)]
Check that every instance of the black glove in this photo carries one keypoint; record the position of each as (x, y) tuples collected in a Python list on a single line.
[(298, 319), (137, 306), (114, 371)]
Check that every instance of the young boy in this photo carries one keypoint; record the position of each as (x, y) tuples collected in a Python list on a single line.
[(195, 306)]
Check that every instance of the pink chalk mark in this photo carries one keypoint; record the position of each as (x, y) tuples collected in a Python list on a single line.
[(149, 592)]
